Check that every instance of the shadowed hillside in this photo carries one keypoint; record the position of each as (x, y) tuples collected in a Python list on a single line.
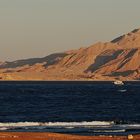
[(49, 60)]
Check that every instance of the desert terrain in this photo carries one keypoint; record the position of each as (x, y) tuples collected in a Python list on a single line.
[(117, 59)]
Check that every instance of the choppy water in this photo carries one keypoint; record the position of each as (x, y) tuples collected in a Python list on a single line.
[(85, 108)]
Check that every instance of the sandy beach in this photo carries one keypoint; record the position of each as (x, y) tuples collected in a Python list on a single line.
[(54, 136)]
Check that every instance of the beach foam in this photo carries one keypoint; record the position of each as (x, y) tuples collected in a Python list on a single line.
[(84, 123), (91, 126)]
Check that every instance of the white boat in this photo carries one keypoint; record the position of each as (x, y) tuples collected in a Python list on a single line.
[(118, 82)]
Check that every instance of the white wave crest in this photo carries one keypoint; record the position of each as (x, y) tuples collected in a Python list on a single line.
[(113, 131), (53, 124)]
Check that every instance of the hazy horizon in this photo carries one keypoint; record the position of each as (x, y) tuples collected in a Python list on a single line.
[(36, 28)]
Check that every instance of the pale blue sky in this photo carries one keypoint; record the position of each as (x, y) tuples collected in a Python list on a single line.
[(35, 28)]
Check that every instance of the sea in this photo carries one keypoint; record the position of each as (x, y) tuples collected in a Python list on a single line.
[(70, 107)]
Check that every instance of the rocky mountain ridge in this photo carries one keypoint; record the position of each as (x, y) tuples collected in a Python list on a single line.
[(118, 59)]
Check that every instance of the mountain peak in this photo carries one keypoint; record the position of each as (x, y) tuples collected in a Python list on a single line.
[(129, 40), (136, 31)]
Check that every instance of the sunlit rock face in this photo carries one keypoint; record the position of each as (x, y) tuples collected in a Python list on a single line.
[(119, 59)]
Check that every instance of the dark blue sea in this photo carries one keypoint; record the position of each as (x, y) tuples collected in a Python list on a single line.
[(83, 108)]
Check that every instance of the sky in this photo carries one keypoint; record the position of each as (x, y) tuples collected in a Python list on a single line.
[(36, 28)]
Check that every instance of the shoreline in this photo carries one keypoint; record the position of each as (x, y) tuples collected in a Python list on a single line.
[(64, 81), (57, 136)]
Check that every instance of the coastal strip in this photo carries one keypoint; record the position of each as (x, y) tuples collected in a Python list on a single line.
[(55, 136)]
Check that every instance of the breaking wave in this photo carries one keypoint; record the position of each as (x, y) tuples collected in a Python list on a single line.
[(102, 127), (55, 124), (115, 131)]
